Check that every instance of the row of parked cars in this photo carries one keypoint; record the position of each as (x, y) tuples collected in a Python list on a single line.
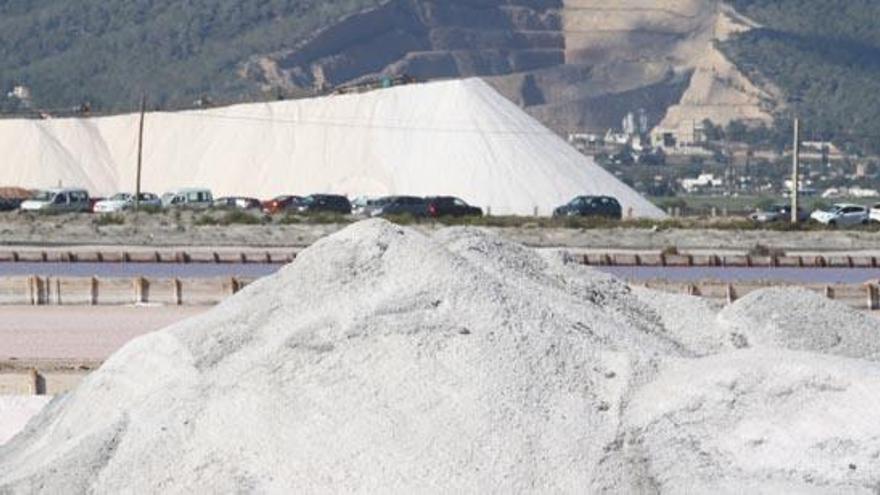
[(61, 200), (434, 206), (842, 214), (78, 200)]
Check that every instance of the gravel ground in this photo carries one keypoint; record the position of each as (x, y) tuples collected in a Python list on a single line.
[(169, 230)]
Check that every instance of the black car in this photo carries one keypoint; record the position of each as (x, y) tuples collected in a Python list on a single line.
[(10, 204), (448, 206), (591, 206), (238, 203), (330, 203), (399, 205)]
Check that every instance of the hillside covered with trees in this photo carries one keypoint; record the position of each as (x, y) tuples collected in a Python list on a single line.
[(824, 56), (108, 52)]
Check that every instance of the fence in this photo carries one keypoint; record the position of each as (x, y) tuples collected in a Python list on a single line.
[(73, 291), (37, 377), (862, 297)]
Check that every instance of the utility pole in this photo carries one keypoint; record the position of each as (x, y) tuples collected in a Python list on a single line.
[(795, 172), (140, 157)]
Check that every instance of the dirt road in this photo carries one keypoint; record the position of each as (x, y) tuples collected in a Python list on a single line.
[(186, 230)]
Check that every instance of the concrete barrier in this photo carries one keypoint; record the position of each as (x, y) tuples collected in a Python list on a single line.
[(43, 377)]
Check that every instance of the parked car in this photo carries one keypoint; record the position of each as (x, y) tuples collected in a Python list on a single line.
[(191, 197), (238, 203), (776, 213), (10, 204), (124, 201), (842, 215), (591, 206), (371, 205), (330, 203), (448, 206), (281, 203), (875, 213), (400, 205), (59, 200), (361, 204), (93, 201)]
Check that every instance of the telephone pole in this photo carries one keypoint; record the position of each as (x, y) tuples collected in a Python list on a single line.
[(795, 172), (140, 156)]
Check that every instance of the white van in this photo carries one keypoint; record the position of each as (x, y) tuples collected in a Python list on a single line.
[(59, 200), (190, 197)]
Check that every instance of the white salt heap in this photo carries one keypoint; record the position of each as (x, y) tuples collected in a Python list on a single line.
[(456, 137), (385, 360)]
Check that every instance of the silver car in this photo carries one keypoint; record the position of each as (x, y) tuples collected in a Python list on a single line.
[(842, 214), (59, 201)]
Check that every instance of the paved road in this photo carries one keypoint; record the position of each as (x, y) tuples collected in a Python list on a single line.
[(70, 332)]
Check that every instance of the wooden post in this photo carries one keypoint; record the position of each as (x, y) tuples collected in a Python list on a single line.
[(234, 285), (731, 294), (33, 382), (829, 292), (178, 292), (31, 291), (140, 290), (58, 291), (93, 292), (873, 297)]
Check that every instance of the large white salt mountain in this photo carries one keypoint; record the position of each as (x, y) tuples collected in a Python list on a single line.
[(385, 360), (456, 137)]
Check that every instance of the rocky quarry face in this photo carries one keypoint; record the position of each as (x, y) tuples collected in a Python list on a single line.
[(574, 64), (383, 359)]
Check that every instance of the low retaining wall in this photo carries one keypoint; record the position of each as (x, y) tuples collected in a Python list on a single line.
[(684, 260), (73, 291), (862, 297), (158, 256), (43, 377)]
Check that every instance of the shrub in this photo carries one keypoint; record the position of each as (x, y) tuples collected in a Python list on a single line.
[(109, 219), (762, 250), (205, 219), (239, 217)]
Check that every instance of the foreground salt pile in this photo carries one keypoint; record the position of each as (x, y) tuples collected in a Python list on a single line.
[(15, 411), (385, 360)]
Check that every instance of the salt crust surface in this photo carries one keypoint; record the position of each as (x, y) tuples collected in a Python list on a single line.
[(386, 360)]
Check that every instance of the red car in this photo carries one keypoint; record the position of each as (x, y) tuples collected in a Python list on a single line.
[(93, 202), (281, 203)]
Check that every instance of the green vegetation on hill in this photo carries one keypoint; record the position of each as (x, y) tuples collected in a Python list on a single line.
[(108, 51), (825, 57)]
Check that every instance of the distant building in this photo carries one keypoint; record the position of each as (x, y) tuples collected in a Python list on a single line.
[(22, 93), (689, 134), (702, 183), (850, 192), (584, 141), (618, 138)]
